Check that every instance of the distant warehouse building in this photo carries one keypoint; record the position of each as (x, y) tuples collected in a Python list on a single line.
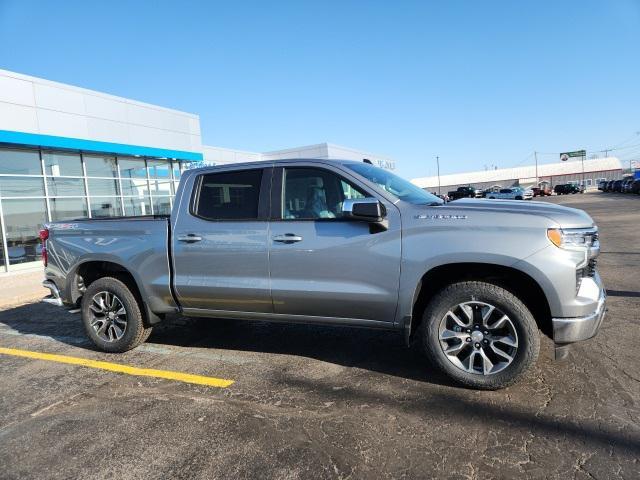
[(68, 152), (597, 169)]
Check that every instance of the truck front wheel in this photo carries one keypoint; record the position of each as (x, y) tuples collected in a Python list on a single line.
[(111, 316), (480, 335)]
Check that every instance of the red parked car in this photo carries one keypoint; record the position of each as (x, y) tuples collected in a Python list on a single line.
[(542, 191)]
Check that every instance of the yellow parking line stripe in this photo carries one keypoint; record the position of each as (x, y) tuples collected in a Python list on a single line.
[(115, 367)]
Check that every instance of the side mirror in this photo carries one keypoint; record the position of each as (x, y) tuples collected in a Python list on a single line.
[(365, 209)]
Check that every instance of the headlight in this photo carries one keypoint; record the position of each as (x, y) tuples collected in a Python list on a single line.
[(574, 238)]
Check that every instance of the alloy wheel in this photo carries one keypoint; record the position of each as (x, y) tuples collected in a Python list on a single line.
[(478, 338), (108, 316)]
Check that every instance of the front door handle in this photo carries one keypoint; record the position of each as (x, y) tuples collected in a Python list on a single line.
[(287, 238), (189, 238)]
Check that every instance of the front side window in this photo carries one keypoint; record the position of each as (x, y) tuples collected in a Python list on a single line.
[(229, 195), (313, 193), (396, 186)]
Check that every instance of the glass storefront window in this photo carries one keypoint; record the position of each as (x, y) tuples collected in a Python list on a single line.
[(68, 208), (21, 187), (23, 219), (99, 187), (62, 186), (134, 187), (137, 205), (159, 169), (20, 162), (160, 188), (132, 167), (62, 164), (176, 169), (105, 207), (161, 205), (100, 166)]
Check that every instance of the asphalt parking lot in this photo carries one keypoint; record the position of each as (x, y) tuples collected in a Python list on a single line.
[(320, 402)]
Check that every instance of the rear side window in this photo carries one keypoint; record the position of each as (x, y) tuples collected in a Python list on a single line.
[(229, 195)]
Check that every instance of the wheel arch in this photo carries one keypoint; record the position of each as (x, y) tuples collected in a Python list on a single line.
[(512, 279), (91, 270)]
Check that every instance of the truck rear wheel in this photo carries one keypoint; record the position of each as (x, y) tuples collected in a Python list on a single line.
[(480, 335), (111, 316)]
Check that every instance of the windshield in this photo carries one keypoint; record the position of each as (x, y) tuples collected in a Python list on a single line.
[(396, 186)]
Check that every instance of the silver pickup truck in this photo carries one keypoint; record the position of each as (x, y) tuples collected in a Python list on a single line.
[(340, 243)]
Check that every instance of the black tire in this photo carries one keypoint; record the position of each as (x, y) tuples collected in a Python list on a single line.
[(135, 332), (522, 319)]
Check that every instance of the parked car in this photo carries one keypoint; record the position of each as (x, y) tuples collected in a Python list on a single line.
[(609, 187), (566, 188), (617, 186), (626, 185), (635, 186), (514, 193), (493, 189), (542, 190), (602, 185), (339, 243), (465, 192)]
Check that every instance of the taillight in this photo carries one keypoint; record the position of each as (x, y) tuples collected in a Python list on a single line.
[(44, 234)]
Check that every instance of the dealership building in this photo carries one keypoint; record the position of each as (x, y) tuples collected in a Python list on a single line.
[(68, 152), (587, 172)]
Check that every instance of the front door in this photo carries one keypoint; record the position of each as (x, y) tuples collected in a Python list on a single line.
[(323, 265), (220, 243)]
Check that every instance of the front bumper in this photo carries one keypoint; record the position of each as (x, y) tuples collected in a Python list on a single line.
[(570, 330)]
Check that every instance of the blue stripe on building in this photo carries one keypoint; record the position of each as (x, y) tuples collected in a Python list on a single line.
[(51, 141)]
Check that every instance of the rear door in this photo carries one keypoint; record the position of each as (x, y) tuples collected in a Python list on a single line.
[(220, 242), (323, 265)]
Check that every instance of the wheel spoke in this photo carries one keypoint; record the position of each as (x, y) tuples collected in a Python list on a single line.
[(471, 361), (450, 334), (507, 340), (487, 314), (499, 323), (468, 311), (502, 353), (487, 364), (117, 330), (101, 330), (454, 348), (457, 319)]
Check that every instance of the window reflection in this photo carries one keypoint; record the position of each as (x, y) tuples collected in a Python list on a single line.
[(23, 219), (105, 207), (20, 162), (68, 208), (62, 164)]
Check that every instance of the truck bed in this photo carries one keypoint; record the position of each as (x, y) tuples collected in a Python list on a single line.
[(137, 244)]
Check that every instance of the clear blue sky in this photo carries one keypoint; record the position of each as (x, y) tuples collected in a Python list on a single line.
[(475, 82)]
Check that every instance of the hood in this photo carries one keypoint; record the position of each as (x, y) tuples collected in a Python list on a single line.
[(564, 217)]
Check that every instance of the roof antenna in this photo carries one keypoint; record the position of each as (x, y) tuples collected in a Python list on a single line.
[(366, 160)]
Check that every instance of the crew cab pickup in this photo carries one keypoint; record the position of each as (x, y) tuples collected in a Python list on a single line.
[(465, 192), (339, 243)]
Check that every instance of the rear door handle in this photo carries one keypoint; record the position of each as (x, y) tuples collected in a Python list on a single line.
[(287, 238), (189, 238)]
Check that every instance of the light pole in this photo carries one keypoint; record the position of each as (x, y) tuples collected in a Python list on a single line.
[(535, 154), (438, 165)]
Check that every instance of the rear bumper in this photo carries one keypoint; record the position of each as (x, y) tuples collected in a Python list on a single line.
[(54, 298), (576, 329)]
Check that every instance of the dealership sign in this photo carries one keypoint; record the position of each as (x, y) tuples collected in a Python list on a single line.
[(567, 155)]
